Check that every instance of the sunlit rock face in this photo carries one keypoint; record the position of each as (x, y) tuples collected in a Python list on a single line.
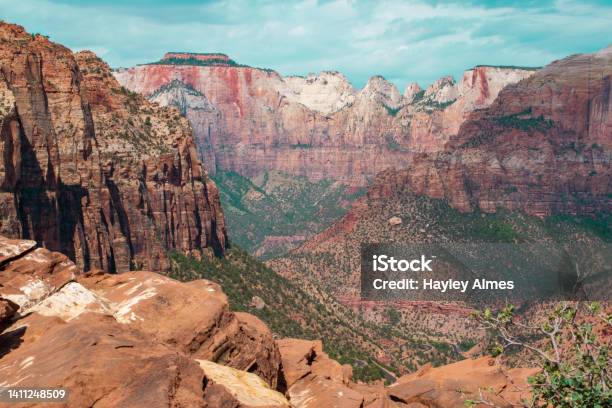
[(543, 146), (251, 120)]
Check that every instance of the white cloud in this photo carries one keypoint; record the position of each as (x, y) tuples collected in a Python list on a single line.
[(403, 40)]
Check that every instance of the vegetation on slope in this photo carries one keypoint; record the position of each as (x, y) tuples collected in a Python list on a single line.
[(275, 212), (328, 260), (569, 347), (289, 310)]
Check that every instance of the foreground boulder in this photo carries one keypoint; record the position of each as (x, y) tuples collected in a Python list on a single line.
[(228, 387), (315, 380), (193, 317), (100, 361), (136, 339), (481, 379)]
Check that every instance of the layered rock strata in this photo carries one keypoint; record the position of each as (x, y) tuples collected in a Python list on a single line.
[(252, 120), (93, 170), (544, 146)]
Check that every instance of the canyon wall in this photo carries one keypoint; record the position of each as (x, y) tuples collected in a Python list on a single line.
[(91, 170), (544, 146), (250, 120)]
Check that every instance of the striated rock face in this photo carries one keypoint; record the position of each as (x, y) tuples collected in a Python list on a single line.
[(318, 126), (543, 146), (134, 339), (92, 170), (194, 106)]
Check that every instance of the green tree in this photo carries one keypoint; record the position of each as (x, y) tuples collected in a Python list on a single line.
[(575, 366)]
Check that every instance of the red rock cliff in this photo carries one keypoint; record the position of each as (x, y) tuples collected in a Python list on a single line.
[(92, 170), (251, 120), (544, 146)]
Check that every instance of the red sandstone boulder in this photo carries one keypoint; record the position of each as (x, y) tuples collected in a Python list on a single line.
[(100, 361), (451, 385), (194, 317), (315, 380), (227, 387)]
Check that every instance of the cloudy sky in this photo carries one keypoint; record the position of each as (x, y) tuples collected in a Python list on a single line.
[(404, 41)]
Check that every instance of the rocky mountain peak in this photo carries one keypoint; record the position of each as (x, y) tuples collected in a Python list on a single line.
[(12, 32), (411, 91), (326, 92), (605, 52), (379, 89), (442, 90), (182, 96), (480, 86)]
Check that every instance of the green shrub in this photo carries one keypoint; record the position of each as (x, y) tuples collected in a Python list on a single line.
[(575, 369)]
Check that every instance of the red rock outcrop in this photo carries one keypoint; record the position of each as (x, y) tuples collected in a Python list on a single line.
[(315, 380), (317, 126), (482, 380), (543, 146), (93, 170), (133, 339)]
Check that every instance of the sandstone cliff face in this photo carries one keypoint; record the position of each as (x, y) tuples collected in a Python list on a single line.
[(318, 126), (544, 146), (92, 170)]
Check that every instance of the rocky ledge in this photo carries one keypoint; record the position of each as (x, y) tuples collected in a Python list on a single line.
[(140, 339)]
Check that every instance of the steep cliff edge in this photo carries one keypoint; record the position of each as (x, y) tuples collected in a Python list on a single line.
[(135, 339), (93, 170), (251, 120)]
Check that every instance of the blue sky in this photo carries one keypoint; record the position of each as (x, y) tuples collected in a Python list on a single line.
[(404, 41)]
